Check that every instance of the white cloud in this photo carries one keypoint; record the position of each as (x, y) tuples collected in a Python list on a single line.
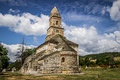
[(13, 49), (90, 41), (25, 23), (14, 11), (115, 11), (35, 40), (75, 17), (117, 36), (105, 9)]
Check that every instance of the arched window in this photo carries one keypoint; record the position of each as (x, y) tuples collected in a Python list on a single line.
[(63, 59), (56, 22)]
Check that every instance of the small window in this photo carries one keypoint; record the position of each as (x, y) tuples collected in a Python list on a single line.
[(63, 59), (57, 31), (56, 22)]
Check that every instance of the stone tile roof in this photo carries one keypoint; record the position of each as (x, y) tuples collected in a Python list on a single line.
[(54, 10), (61, 42), (45, 56)]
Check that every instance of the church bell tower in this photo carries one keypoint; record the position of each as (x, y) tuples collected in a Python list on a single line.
[(54, 24)]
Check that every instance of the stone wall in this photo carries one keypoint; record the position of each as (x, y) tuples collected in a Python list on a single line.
[(69, 62), (51, 64)]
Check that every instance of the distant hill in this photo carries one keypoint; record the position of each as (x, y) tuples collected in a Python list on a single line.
[(105, 59), (101, 55)]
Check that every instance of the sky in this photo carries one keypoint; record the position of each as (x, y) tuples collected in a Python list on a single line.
[(93, 24)]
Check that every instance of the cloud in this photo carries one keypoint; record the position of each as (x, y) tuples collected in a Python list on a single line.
[(105, 10), (76, 17), (88, 7), (35, 40), (14, 49), (90, 41), (14, 11), (115, 11), (117, 36), (25, 23)]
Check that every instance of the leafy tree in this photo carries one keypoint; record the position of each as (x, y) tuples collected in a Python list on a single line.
[(87, 61), (18, 63), (27, 53), (99, 61), (81, 61), (3, 58), (111, 61)]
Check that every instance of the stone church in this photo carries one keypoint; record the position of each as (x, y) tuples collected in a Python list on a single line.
[(57, 54)]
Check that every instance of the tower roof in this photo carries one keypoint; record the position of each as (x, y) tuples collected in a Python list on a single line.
[(54, 10)]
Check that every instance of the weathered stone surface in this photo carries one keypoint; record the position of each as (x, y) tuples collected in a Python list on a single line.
[(56, 54)]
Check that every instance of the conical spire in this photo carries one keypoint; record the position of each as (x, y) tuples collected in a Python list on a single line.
[(54, 10)]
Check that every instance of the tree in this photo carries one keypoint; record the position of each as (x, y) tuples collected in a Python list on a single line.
[(21, 55), (111, 61), (27, 53), (3, 58), (20, 52), (81, 61), (87, 61), (18, 63)]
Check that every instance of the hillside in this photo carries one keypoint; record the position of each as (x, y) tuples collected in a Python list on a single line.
[(101, 55), (111, 59)]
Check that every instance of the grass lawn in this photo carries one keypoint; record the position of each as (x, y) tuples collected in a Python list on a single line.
[(89, 74)]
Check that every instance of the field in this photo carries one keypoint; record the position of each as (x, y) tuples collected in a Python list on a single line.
[(88, 74)]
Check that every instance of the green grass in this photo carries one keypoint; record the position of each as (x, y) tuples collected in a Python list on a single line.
[(89, 74), (2, 78), (104, 74)]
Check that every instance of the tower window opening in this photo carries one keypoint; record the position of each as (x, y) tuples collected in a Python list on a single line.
[(56, 22), (63, 59), (57, 31)]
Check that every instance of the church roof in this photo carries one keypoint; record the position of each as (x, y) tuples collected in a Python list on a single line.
[(64, 39), (64, 43), (48, 55), (60, 41)]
